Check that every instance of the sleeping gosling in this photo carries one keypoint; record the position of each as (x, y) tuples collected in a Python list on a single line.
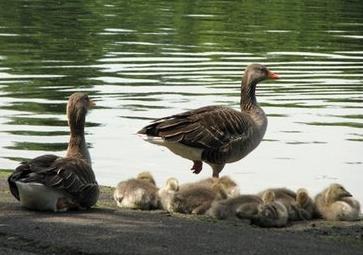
[(242, 206), (271, 213), (196, 199), (264, 212), (137, 193), (230, 186), (299, 205)]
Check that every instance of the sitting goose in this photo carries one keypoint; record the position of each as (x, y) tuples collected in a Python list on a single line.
[(215, 134), (49, 182)]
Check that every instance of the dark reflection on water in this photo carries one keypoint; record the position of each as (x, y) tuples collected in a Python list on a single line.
[(38, 146), (142, 60)]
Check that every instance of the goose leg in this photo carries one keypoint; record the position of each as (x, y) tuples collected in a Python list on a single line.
[(217, 169), (197, 166)]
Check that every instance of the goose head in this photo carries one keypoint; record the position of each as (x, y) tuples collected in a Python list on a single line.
[(256, 73), (253, 74), (77, 108)]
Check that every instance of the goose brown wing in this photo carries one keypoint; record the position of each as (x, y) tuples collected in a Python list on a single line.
[(213, 129), (70, 175), (29, 170)]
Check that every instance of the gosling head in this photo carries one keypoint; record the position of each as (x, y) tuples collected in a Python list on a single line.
[(231, 188), (172, 184), (336, 192), (146, 177)]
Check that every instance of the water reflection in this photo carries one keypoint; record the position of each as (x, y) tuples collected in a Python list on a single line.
[(143, 60)]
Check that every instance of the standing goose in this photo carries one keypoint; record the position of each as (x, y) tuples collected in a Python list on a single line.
[(49, 182), (215, 135)]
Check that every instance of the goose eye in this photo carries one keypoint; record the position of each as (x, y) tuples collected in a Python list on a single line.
[(261, 69)]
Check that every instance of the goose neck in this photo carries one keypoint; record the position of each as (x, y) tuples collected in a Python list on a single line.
[(248, 94)]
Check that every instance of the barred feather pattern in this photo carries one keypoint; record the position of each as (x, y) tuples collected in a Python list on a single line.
[(70, 175), (224, 134)]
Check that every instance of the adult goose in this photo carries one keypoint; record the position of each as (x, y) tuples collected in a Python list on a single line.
[(49, 182), (215, 135)]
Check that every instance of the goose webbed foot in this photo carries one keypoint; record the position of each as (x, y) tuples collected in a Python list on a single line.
[(197, 166)]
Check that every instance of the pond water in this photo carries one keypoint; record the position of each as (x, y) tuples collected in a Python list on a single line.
[(142, 60)]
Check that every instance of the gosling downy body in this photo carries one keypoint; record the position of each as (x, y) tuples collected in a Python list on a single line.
[(242, 206), (272, 213), (53, 183), (137, 193), (299, 204), (216, 135), (197, 198), (336, 203), (229, 185), (264, 212)]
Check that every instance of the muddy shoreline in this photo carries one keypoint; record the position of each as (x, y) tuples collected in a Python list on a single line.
[(106, 229)]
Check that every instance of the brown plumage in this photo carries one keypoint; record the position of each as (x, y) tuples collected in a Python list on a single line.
[(215, 134), (50, 182)]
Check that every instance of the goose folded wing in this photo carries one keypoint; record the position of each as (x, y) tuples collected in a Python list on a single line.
[(212, 128), (30, 171), (69, 175)]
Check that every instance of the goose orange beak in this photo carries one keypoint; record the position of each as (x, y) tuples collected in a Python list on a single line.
[(272, 75)]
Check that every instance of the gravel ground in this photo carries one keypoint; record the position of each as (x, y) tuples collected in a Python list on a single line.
[(109, 230)]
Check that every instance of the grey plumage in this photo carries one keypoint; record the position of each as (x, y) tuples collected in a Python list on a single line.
[(222, 134)]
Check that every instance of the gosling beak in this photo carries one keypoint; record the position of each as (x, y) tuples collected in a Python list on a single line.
[(347, 194), (91, 103), (272, 75)]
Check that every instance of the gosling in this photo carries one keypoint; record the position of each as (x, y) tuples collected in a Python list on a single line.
[(197, 198), (272, 213), (166, 193), (299, 204), (242, 206), (230, 186), (264, 212), (336, 203), (137, 193)]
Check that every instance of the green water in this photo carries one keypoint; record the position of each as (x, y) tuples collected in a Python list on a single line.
[(146, 59)]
